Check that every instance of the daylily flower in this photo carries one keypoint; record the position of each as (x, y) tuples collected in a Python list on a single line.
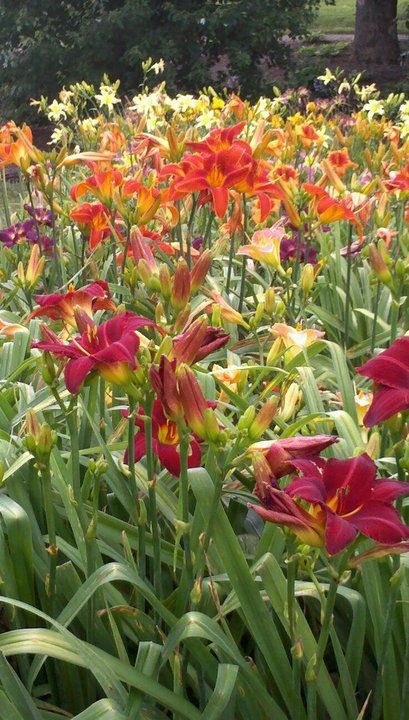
[(90, 298), (340, 161), (108, 349), (198, 341), (390, 372), (292, 340), (101, 185), (15, 143), (165, 442), (211, 174), (93, 218), (280, 455), (9, 329), (345, 498), (265, 246)]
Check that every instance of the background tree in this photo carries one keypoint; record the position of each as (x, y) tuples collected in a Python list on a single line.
[(376, 32), (45, 44)]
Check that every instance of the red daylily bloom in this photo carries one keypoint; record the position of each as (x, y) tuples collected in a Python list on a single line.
[(198, 341), (212, 175), (330, 210), (90, 298), (345, 498), (221, 139), (165, 442), (281, 454), (95, 218), (390, 372), (108, 349)]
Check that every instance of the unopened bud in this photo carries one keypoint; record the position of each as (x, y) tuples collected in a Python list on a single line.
[(270, 300), (200, 270), (307, 278), (165, 281), (181, 286), (247, 418), (374, 445), (292, 399), (263, 419), (196, 593)]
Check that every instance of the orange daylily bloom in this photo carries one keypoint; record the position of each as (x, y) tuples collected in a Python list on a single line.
[(95, 219), (340, 161), (15, 144), (213, 175), (101, 185), (329, 209)]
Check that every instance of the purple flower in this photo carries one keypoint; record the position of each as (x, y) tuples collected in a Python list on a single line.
[(290, 249), (40, 215), (13, 235)]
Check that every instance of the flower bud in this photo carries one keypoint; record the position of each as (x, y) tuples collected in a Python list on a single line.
[(40, 439), (48, 372), (292, 399), (377, 262), (275, 352), (165, 281), (200, 270), (269, 300), (374, 446), (263, 419), (181, 286), (247, 418), (307, 278)]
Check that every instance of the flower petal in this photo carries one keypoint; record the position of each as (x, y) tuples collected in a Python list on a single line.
[(338, 533), (76, 372), (380, 522), (386, 403)]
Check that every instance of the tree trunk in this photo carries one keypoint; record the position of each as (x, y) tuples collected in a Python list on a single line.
[(376, 34)]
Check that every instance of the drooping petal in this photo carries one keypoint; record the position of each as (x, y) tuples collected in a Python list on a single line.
[(311, 489), (380, 522), (220, 200), (386, 403), (76, 372), (391, 367), (388, 490), (338, 533)]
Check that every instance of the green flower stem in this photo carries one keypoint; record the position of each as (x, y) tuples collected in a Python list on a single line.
[(52, 539), (378, 695), (153, 512), (184, 447), (218, 487), (102, 422), (134, 491), (244, 259), (375, 317), (292, 619), (394, 320), (189, 232), (126, 248), (207, 233), (5, 197), (230, 265), (72, 419), (327, 619), (348, 289)]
